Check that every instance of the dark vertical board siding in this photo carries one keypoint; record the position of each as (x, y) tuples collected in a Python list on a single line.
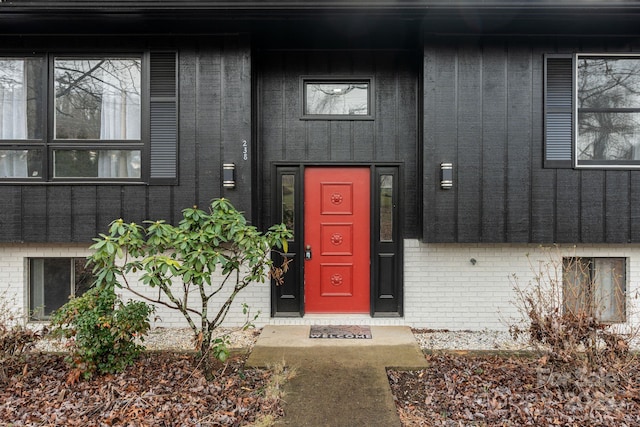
[(58, 202), (319, 136), (236, 118), (430, 174), (295, 139), (445, 132), (271, 123), (341, 146), (11, 213), (494, 142), (408, 139), (616, 194), (592, 187), (34, 214), (363, 132), (84, 207), (468, 177), (543, 182), (207, 102), (518, 143), (191, 92), (134, 203), (110, 206), (161, 206), (567, 205), (386, 108)]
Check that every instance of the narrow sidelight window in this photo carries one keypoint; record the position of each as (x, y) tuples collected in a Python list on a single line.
[(288, 201), (386, 208)]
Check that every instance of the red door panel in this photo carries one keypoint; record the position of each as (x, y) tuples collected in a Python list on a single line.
[(336, 229)]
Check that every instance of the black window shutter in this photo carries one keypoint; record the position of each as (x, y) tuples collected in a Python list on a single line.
[(558, 111), (163, 112)]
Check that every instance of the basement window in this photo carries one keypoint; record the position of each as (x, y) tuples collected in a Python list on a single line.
[(52, 281), (595, 287)]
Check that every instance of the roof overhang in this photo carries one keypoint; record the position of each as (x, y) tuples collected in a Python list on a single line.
[(462, 16)]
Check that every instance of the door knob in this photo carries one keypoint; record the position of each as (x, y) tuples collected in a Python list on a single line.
[(307, 252)]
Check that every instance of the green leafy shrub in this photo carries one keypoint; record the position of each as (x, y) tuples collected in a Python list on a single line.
[(103, 330), (207, 257)]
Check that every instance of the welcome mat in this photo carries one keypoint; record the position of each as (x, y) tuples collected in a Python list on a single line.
[(340, 331)]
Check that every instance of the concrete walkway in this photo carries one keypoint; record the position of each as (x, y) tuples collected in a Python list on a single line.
[(339, 382)]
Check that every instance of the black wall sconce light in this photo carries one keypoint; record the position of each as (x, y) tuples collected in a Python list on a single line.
[(446, 176), (229, 175)]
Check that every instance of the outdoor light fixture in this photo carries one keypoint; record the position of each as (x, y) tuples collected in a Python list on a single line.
[(229, 175), (446, 176)]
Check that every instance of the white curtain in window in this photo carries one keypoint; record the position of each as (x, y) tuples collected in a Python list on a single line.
[(13, 100), (118, 164), (13, 164), (120, 117), (13, 116)]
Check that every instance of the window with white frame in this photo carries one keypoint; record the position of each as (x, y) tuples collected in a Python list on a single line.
[(608, 110), (595, 287), (52, 281), (592, 110), (85, 122)]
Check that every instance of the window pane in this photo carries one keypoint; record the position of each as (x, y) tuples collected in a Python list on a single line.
[(288, 201), (96, 163), (608, 82), (52, 282), (50, 285), (83, 277), (21, 95), (609, 289), (97, 98), (386, 208), (20, 163), (337, 98), (608, 136), (575, 280)]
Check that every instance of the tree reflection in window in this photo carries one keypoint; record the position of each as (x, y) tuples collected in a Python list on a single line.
[(97, 98), (386, 208), (288, 201), (608, 94), (337, 98)]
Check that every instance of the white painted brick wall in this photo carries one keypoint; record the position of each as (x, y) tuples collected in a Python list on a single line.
[(13, 280), (443, 289)]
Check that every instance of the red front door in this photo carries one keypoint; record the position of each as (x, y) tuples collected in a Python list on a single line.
[(336, 231)]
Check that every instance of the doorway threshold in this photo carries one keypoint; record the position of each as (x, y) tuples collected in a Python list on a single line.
[(338, 319)]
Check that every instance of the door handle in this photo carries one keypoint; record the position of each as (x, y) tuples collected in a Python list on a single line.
[(307, 253)]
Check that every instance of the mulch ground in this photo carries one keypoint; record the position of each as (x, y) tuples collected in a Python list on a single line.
[(485, 390), (161, 389), (167, 389)]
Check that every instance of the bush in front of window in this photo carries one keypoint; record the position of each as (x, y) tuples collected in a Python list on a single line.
[(570, 309), (103, 331), (198, 266)]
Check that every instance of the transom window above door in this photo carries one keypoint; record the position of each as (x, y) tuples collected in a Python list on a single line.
[(337, 98)]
